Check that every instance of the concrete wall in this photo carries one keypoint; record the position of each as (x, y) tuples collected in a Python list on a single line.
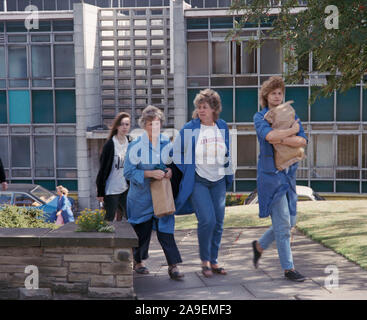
[(87, 77), (178, 47)]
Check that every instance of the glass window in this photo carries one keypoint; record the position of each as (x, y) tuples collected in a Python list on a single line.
[(220, 22), (42, 106), (64, 60), (300, 98), (364, 150), (246, 61), (41, 61), (44, 156), (226, 96), (222, 59), (197, 23), (245, 185), (246, 104), (20, 151), (4, 154), (42, 26), (364, 104), (271, 61), (66, 152), (23, 200), (197, 4), (347, 105), (5, 198), (65, 106), (62, 5), (246, 150), (2, 62), (197, 58), (17, 57), (19, 106), (71, 185), (38, 4), (47, 184), (323, 109), (347, 151), (63, 25), (323, 156), (41, 38), (15, 26), (322, 186), (3, 108)]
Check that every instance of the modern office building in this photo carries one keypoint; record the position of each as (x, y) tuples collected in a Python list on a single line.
[(62, 82)]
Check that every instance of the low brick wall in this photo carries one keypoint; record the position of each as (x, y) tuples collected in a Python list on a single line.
[(71, 265)]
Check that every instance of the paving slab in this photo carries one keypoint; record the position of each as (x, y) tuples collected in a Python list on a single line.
[(243, 281)]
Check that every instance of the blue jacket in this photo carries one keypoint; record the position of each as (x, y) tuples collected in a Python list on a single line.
[(64, 204), (272, 183), (184, 158), (141, 156)]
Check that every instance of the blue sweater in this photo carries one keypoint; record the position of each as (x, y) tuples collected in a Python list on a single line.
[(184, 158), (141, 156), (272, 183)]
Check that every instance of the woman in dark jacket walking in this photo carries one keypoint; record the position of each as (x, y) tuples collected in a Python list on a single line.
[(111, 184)]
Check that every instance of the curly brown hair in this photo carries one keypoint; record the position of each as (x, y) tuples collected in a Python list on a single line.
[(212, 98), (274, 82)]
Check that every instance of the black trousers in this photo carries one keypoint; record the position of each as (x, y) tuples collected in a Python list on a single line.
[(166, 240), (115, 202)]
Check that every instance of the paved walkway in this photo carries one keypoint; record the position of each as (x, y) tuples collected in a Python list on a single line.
[(243, 282)]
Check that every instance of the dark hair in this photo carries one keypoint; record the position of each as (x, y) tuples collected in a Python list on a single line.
[(116, 123)]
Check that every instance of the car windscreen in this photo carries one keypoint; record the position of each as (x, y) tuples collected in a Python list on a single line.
[(43, 194)]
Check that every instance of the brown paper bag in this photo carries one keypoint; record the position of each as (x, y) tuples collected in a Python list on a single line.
[(282, 117), (162, 196)]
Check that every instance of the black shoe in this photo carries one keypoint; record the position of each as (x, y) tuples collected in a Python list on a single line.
[(257, 254), (174, 273), (293, 275)]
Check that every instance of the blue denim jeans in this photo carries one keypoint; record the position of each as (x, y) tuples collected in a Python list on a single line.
[(208, 200), (280, 231)]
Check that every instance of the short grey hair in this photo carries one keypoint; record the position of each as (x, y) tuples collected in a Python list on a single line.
[(148, 114)]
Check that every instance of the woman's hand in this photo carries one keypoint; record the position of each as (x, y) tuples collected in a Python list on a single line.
[(100, 199), (155, 174), (58, 213), (295, 126), (168, 173)]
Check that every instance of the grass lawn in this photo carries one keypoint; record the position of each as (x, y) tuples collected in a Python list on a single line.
[(339, 225)]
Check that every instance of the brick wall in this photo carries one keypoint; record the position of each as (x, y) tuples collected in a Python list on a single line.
[(66, 272)]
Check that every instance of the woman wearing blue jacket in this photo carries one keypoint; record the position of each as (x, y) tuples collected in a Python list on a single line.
[(145, 158), (276, 189), (64, 205), (201, 152)]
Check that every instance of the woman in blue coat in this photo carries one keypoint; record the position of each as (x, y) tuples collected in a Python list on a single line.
[(145, 158), (64, 205), (276, 189), (201, 152)]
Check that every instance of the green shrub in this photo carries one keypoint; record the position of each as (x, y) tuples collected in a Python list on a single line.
[(93, 221), (22, 217), (235, 199)]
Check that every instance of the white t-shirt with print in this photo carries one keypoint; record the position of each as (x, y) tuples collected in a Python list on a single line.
[(210, 153), (116, 182)]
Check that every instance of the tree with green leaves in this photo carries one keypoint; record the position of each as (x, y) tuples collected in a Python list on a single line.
[(333, 31)]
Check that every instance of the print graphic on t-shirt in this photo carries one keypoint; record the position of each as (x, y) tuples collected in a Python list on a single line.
[(211, 147)]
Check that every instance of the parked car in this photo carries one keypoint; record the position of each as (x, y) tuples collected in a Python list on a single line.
[(304, 193), (33, 196)]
